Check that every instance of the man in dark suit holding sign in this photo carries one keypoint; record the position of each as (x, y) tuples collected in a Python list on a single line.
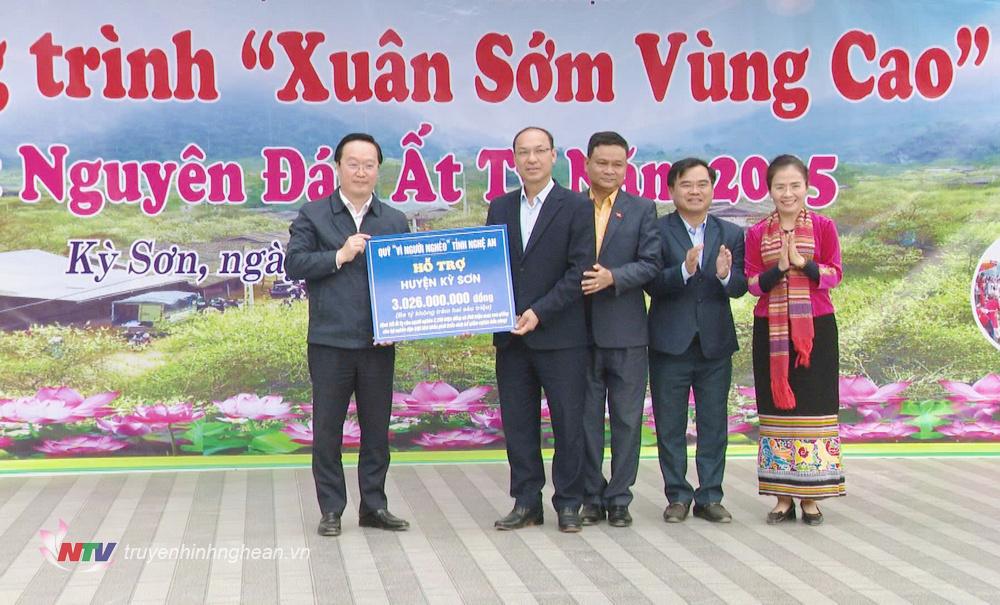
[(628, 256), (693, 338), (551, 241), (328, 241)]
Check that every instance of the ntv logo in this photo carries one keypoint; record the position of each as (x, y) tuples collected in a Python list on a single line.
[(56, 551)]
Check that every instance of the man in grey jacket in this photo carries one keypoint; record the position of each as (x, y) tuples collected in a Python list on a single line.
[(327, 245)]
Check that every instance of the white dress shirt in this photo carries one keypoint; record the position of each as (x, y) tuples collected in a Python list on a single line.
[(357, 215), (530, 210), (697, 235)]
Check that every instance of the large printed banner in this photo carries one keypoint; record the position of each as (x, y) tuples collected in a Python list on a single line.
[(153, 154)]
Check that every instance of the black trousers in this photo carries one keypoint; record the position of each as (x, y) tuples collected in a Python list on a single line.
[(522, 374), (617, 378), (671, 378), (337, 374)]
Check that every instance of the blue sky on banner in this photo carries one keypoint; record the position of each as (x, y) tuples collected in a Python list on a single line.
[(247, 116)]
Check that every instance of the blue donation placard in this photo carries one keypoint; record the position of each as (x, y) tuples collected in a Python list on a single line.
[(440, 283)]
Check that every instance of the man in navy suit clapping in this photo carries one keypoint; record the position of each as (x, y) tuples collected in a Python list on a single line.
[(692, 339)]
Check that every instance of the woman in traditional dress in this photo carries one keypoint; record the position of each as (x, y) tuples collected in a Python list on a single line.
[(792, 262)]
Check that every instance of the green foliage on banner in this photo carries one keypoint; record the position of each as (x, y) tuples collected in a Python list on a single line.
[(742, 359), (213, 437), (647, 437), (58, 355), (927, 415), (213, 356), (273, 442), (910, 243), (864, 256)]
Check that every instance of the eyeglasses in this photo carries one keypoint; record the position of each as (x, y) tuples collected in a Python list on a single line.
[(357, 167), (527, 153)]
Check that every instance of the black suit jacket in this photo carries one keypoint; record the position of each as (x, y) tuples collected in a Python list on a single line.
[(547, 273), (677, 310), (340, 313), (631, 251)]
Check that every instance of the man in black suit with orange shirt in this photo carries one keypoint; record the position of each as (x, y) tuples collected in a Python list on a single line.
[(628, 256)]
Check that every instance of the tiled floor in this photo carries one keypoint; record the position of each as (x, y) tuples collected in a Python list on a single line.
[(911, 530)]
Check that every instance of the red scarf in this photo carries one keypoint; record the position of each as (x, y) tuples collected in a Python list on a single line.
[(789, 307)]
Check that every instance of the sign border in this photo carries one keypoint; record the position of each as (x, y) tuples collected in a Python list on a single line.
[(486, 229)]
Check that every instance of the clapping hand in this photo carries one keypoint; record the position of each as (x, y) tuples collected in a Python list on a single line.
[(783, 254), (794, 258), (724, 262), (691, 260)]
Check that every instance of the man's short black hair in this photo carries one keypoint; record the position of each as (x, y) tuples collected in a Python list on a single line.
[(356, 136), (681, 166), (606, 137), (552, 142)]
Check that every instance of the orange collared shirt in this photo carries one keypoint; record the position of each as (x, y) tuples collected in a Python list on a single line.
[(602, 214)]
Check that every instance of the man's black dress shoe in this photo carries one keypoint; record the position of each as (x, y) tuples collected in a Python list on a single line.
[(773, 518), (569, 520), (590, 514), (812, 519), (520, 516), (714, 512), (383, 519), (676, 512), (329, 525), (618, 516)]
